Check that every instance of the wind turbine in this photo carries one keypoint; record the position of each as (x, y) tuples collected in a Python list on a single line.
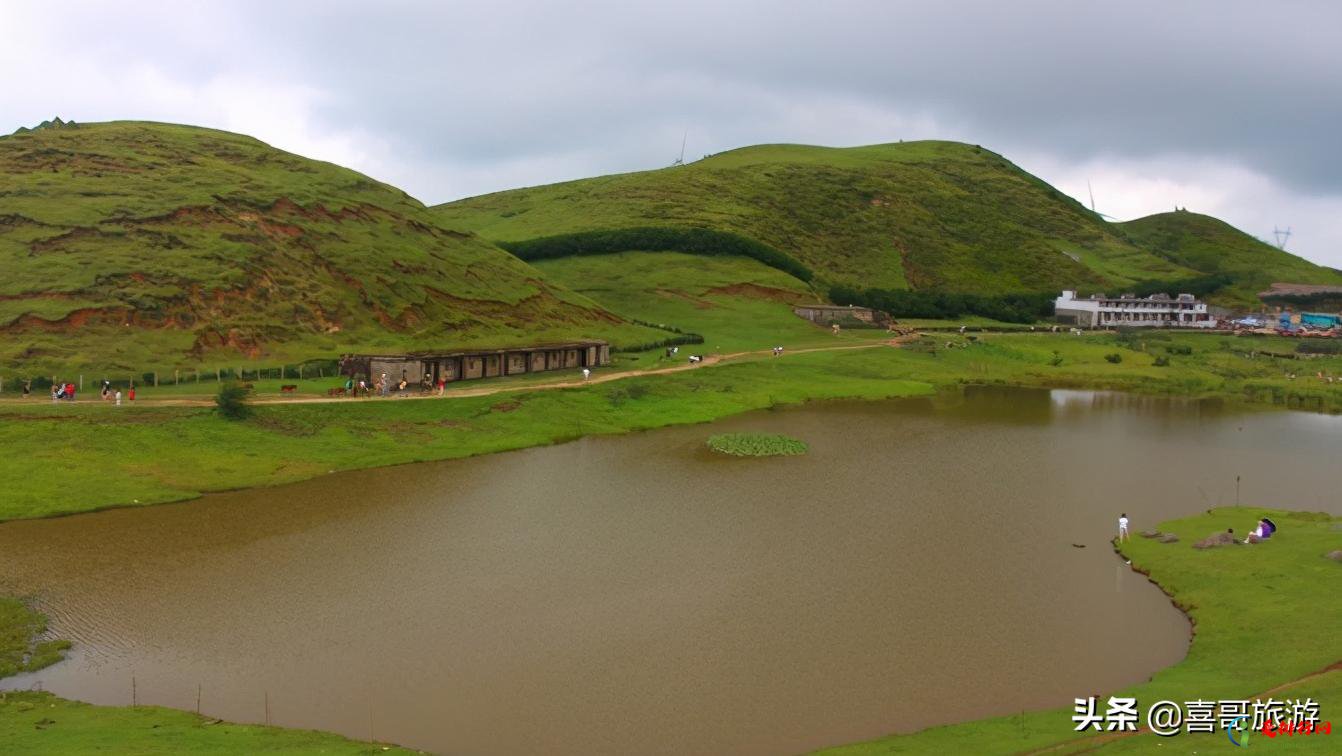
[(1092, 203), (1282, 236), (681, 160)]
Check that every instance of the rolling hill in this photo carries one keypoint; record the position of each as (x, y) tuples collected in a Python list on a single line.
[(1212, 246), (931, 215), (142, 245)]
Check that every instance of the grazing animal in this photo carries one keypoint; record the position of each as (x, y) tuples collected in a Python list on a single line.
[(288, 389)]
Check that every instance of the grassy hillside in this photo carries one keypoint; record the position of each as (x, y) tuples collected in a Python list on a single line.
[(736, 304), (923, 215), (1213, 246), (142, 245), (918, 214)]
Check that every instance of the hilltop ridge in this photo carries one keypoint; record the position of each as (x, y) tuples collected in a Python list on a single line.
[(928, 215), (132, 244)]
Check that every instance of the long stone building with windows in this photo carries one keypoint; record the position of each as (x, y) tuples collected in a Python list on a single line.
[(1155, 311), (467, 365)]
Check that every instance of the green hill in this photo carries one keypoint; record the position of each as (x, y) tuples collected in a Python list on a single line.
[(141, 245), (939, 216), (1213, 246)]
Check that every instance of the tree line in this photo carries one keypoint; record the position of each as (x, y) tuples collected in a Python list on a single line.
[(694, 241)]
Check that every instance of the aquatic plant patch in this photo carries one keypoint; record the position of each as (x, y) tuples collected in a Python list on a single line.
[(756, 445)]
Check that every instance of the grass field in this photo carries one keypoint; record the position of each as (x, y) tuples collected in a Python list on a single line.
[(923, 215), (1264, 615), (40, 723)]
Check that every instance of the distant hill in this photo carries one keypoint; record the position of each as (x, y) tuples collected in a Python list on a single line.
[(1212, 246), (150, 245), (919, 215)]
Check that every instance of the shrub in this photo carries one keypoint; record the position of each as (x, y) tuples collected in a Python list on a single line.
[(756, 445), (1319, 346), (1114, 357), (1057, 359), (695, 241), (231, 401), (1161, 361), (1021, 307), (1179, 349)]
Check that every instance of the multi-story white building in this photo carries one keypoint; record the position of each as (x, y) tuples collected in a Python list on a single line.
[(1155, 311)]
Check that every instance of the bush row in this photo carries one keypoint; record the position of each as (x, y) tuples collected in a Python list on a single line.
[(695, 241), (1009, 308)]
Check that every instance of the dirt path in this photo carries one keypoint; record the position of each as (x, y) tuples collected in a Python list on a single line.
[(598, 377)]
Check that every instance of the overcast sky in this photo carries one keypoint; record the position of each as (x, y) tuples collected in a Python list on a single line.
[(1228, 108)]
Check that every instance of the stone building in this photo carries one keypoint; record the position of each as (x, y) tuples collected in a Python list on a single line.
[(470, 364), (824, 314)]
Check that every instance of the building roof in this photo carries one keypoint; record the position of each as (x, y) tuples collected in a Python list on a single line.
[(482, 351)]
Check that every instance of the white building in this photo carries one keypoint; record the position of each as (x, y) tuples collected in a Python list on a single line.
[(1155, 311)]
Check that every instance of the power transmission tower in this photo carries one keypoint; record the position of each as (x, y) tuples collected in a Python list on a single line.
[(1282, 236)]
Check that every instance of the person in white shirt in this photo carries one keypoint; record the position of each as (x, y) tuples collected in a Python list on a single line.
[(586, 374), (1123, 528)]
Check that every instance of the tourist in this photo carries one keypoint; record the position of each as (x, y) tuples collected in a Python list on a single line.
[(130, 393), (27, 388), (382, 385), (586, 374), (442, 386), (55, 393), (1123, 528), (1259, 533), (118, 397)]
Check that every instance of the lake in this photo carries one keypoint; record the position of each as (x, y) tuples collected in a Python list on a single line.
[(638, 594)]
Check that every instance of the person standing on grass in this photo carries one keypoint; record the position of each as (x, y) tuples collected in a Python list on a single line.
[(1123, 528), (118, 397), (130, 393), (586, 374), (442, 385), (27, 388)]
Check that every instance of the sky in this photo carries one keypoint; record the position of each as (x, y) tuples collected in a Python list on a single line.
[(1224, 107)]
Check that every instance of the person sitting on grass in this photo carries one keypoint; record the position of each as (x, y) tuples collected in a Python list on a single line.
[(1260, 533)]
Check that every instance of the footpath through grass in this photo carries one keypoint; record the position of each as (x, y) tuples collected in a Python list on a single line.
[(1264, 615)]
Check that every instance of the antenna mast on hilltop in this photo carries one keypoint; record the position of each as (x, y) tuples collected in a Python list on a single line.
[(1282, 236), (681, 160)]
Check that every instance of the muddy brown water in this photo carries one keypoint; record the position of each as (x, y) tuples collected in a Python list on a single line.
[(636, 594)]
